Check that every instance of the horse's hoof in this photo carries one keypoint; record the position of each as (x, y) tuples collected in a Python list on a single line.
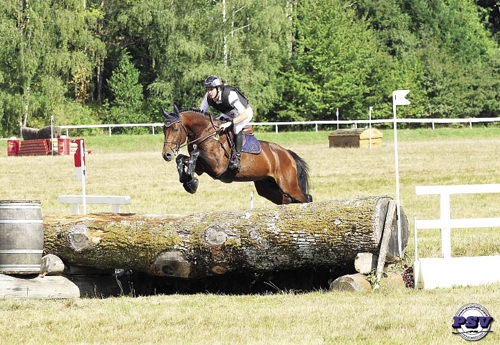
[(191, 186), (309, 197), (184, 178)]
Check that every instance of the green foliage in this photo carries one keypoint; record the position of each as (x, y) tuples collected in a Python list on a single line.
[(9, 104), (126, 107), (74, 113), (48, 56), (457, 57), (294, 60), (336, 64)]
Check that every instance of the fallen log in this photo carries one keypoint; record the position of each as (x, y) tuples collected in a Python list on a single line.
[(294, 236)]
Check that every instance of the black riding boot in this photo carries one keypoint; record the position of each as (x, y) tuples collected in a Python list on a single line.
[(234, 163)]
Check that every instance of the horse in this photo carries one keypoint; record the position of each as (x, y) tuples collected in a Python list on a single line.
[(278, 174)]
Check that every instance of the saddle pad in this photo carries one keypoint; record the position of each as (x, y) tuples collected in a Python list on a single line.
[(251, 145)]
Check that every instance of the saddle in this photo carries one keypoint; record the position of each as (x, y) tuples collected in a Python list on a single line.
[(250, 143)]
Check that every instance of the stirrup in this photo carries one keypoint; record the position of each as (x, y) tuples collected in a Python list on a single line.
[(234, 163)]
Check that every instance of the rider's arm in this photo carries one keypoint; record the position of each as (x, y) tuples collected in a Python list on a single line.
[(204, 104), (234, 100)]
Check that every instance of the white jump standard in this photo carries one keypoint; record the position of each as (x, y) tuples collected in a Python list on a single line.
[(113, 200)]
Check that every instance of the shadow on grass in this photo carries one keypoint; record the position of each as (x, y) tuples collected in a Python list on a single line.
[(237, 283)]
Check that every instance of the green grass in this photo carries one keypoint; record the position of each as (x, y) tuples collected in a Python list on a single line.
[(379, 317), (132, 165)]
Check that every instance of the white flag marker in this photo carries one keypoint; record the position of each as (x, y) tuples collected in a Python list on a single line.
[(398, 97)]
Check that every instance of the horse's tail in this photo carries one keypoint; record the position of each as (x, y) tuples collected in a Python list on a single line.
[(302, 174)]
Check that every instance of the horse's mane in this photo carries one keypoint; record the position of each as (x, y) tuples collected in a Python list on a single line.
[(196, 110)]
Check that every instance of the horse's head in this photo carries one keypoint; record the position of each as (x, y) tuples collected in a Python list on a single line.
[(174, 134)]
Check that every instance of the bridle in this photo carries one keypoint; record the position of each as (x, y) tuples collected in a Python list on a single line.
[(179, 144)]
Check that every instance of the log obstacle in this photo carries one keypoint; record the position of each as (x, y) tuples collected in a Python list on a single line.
[(296, 246), (295, 236), (29, 133)]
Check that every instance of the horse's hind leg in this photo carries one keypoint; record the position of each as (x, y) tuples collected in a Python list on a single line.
[(269, 189), (291, 189)]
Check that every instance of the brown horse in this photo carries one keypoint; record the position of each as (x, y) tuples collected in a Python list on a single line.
[(279, 175)]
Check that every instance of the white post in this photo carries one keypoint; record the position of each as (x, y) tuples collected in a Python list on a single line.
[(52, 134), (370, 125), (398, 98), (398, 205), (82, 162), (445, 232), (337, 118)]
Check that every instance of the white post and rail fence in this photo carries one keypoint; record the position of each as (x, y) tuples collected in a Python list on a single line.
[(448, 271), (316, 124)]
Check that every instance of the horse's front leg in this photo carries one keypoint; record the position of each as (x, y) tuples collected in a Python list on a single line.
[(182, 163), (187, 178), (192, 162)]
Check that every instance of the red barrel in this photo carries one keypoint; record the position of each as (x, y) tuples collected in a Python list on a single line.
[(13, 147), (63, 145)]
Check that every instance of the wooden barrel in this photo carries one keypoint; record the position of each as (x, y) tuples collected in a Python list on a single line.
[(21, 236)]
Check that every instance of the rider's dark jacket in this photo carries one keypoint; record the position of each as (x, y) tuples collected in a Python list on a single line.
[(224, 106)]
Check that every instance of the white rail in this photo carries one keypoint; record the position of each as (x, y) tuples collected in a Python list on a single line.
[(316, 124), (448, 271), (114, 200)]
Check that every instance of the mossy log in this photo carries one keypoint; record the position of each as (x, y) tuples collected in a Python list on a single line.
[(293, 236)]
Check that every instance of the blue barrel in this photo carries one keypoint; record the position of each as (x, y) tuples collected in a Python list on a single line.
[(21, 236)]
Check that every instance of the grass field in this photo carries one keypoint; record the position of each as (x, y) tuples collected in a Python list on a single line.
[(132, 165)]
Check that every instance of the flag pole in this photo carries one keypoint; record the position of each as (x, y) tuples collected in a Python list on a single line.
[(82, 164), (398, 98), (370, 125)]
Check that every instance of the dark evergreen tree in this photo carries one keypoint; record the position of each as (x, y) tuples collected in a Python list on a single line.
[(126, 105)]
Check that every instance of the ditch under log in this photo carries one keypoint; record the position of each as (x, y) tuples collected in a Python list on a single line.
[(294, 236)]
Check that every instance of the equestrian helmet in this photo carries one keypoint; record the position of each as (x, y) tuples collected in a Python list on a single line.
[(212, 81)]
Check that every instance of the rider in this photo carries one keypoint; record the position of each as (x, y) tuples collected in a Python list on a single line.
[(234, 108)]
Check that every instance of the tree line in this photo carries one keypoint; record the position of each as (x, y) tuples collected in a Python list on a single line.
[(119, 61)]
